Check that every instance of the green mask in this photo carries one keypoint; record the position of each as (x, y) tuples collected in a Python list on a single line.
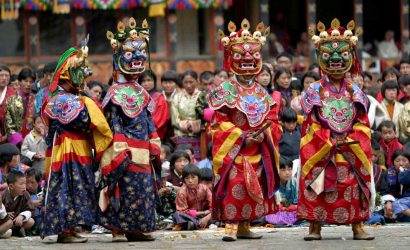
[(335, 57)]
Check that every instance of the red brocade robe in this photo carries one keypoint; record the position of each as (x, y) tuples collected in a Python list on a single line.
[(246, 177), (335, 183)]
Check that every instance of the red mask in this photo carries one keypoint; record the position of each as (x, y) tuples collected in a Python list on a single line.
[(245, 58)]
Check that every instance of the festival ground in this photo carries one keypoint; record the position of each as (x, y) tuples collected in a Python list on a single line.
[(335, 237)]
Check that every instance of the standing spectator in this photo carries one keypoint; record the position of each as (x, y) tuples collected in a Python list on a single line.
[(221, 75), (94, 90), (308, 78), (404, 67), (389, 91), (367, 82), (34, 145), (187, 127), (169, 84), (158, 106), (303, 47), (14, 82), (284, 60), (6, 92), (20, 108), (206, 79), (282, 81), (388, 48), (42, 94)]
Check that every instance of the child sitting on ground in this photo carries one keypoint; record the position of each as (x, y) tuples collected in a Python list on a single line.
[(34, 145), (179, 159), (33, 179), (401, 207), (389, 142), (15, 211), (288, 196), (193, 202), (9, 161), (165, 208), (207, 177)]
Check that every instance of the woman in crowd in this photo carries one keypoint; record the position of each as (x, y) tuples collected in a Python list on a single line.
[(187, 127)]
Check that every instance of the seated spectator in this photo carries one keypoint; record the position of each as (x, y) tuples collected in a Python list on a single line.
[(389, 74), (165, 156), (33, 179), (167, 196), (34, 145), (193, 202), (401, 206), (287, 195), (389, 141), (15, 211), (207, 177), (387, 49), (189, 149), (207, 162), (289, 143), (179, 159), (9, 160)]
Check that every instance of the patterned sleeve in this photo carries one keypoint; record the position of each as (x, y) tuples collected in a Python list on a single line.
[(182, 201), (14, 115)]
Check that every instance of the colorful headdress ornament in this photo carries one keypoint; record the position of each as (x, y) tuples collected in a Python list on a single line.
[(130, 45), (335, 47), (242, 36), (72, 68), (128, 32), (335, 33)]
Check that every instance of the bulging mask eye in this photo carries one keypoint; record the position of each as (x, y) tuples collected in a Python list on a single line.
[(128, 55), (237, 56), (257, 55), (325, 56), (346, 55)]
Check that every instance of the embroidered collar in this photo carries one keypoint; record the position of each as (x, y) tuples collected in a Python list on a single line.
[(253, 101)]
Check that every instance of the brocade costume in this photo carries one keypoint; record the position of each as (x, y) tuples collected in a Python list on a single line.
[(77, 127), (129, 166), (246, 176), (336, 181)]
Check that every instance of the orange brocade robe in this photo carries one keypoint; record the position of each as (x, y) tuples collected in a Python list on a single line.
[(246, 176), (335, 182)]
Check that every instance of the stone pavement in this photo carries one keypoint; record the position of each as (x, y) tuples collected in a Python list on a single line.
[(336, 237)]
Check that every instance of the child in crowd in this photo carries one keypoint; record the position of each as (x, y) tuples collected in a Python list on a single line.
[(164, 156), (288, 196), (389, 141), (166, 206), (33, 179), (15, 211), (34, 145), (207, 177), (193, 201), (9, 161), (207, 162), (401, 207), (391, 106), (392, 189), (179, 159), (190, 151), (289, 144)]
